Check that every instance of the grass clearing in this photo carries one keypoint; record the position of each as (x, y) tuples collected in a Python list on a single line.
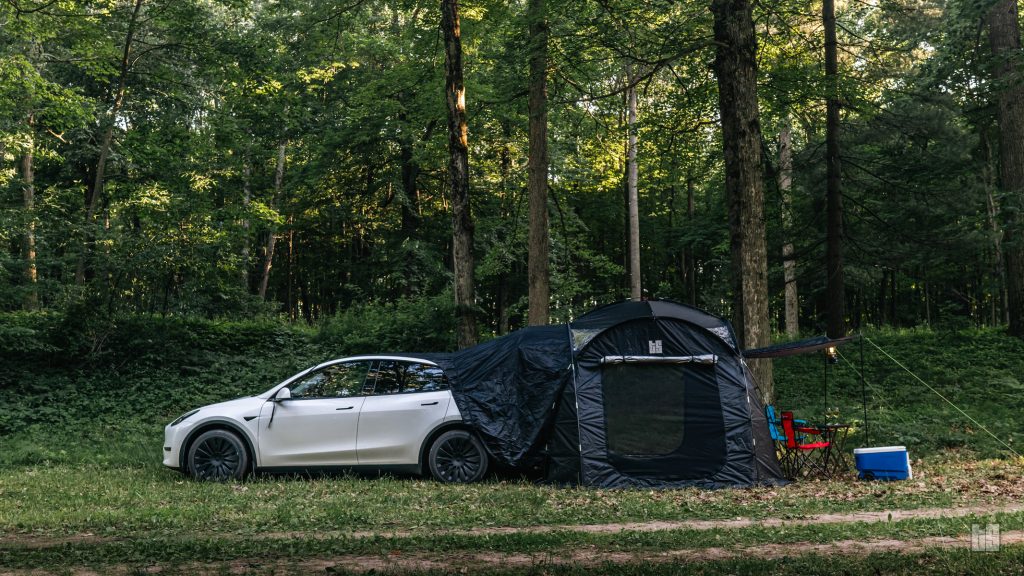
[(179, 550), (136, 516), (148, 499), (81, 487), (222, 547)]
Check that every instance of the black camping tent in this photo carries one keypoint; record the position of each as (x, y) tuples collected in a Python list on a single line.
[(641, 394)]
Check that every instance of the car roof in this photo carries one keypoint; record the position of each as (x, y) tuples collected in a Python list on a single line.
[(404, 358)]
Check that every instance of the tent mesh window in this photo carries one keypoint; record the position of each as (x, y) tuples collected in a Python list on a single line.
[(645, 408), (663, 420)]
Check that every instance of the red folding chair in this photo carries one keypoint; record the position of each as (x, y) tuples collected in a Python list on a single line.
[(802, 456)]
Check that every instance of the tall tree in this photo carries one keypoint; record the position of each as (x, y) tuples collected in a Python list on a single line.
[(29, 196), (736, 70), (537, 166), (106, 140), (458, 175), (792, 301), (246, 201), (836, 284), (632, 178), (1004, 38), (269, 249)]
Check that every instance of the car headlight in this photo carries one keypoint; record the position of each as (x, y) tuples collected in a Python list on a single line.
[(184, 417)]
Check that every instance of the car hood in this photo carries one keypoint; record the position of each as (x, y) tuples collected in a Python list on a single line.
[(244, 403)]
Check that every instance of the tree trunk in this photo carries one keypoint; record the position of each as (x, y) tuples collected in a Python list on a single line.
[(246, 199), (537, 168), (792, 310), (691, 264), (31, 301), (631, 187), (458, 173), (999, 295), (736, 69), (506, 212), (833, 196), (893, 294), (291, 298), (105, 142), (268, 254), (410, 176), (1004, 38), (410, 189)]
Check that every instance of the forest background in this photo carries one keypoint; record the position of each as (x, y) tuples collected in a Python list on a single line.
[(233, 158)]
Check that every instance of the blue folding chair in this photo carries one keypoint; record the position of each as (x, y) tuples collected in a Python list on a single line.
[(786, 457), (774, 424)]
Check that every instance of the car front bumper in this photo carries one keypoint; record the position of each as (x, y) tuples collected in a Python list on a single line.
[(174, 437)]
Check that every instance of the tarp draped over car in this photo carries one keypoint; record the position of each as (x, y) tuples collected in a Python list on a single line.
[(506, 388), (641, 394)]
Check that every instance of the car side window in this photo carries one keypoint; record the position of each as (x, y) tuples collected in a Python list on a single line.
[(335, 381), (426, 378), (397, 377), (386, 377)]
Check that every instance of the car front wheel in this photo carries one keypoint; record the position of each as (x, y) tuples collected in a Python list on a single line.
[(457, 456), (218, 455)]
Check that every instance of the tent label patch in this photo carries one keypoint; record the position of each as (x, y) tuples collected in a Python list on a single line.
[(654, 346)]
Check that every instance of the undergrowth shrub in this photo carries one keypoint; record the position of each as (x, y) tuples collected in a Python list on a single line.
[(978, 371), (409, 325), (102, 388)]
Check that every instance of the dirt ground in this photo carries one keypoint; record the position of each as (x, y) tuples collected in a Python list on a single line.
[(37, 541), (468, 562)]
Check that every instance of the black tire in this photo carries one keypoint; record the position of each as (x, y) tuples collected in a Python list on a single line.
[(218, 456), (457, 456)]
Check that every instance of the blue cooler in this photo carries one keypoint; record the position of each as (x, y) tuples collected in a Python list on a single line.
[(884, 463)]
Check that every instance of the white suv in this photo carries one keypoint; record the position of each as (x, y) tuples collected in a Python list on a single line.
[(377, 412)]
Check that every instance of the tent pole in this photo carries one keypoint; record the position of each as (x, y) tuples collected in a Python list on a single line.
[(864, 394)]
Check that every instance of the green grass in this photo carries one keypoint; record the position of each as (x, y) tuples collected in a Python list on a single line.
[(127, 500)]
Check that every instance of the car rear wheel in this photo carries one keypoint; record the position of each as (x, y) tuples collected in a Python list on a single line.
[(218, 455), (457, 456)]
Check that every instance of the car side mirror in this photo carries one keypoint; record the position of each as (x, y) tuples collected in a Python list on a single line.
[(282, 394)]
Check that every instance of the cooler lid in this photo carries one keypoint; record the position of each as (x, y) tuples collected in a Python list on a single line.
[(880, 449)]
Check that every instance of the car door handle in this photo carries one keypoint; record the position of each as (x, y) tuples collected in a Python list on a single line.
[(434, 403), (345, 408)]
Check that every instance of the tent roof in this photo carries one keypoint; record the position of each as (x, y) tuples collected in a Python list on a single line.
[(797, 347), (589, 325)]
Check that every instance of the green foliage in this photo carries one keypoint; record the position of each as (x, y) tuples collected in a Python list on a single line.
[(409, 325), (979, 371), (83, 385), (354, 94)]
